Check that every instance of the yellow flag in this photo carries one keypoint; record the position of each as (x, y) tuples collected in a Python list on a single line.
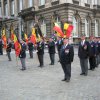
[(66, 26)]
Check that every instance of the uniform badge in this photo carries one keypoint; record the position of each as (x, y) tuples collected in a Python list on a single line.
[(67, 51)]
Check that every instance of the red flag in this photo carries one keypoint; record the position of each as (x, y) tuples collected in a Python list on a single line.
[(17, 46), (33, 36), (68, 29), (58, 30), (4, 38)]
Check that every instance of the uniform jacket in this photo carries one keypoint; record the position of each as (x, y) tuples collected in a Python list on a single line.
[(51, 47), (40, 48), (93, 50), (23, 51), (84, 50), (59, 45), (30, 46), (67, 54), (9, 46)]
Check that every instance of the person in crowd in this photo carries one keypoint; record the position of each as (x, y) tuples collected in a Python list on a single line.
[(1, 47), (8, 49), (30, 48), (97, 51), (51, 50), (92, 57), (22, 55), (83, 54), (40, 52), (59, 45), (66, 58)]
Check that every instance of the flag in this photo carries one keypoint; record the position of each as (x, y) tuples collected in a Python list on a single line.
[(58, 30), (17, 46), (12, 33), (4, 38), (39, 31), (33, 36), (68, 29), (26, 38)]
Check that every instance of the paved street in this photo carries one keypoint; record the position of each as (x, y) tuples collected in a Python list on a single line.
[(45, 83)]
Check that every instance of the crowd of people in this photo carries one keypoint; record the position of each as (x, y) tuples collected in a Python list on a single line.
[(87, 51)]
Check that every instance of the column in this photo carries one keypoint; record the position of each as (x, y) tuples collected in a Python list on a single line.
[(2, 5), (16, 7), (9, 10)]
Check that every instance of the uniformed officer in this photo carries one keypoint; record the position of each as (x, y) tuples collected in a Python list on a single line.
[(40, 52), (66, 58), (97, 51), (83, 54), (8, 49), (51, 49), (59, 45), (1, 47), (30, 48), (92, 57), (22, 55)]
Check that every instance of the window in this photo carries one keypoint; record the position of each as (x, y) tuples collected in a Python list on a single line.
[(30, 3), (87, 28), (95, 2), (42, 2), (96, 28), (43, 28), (20, 5), (76, 27), (12, 7), (58, 21)]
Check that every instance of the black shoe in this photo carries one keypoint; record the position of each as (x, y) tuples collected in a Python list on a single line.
[(82, 73), (85, 74), (23, 69), (64, 79), (67, 80), (90, 69)]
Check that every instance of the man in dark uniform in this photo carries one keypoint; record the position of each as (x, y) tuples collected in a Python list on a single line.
[(8, 49), (99, 48), (51, 49), (1, 47), (83, 54), (40, 52), (59, 45), (66, 58), (22, 55), (97, 51), (30, 48), (92, 57)]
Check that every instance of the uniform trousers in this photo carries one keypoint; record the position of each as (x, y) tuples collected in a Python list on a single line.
[(67, 70)]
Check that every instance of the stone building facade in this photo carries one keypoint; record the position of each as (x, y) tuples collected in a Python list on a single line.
[(83, 14)]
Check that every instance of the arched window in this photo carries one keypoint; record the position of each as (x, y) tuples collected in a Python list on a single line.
[(30, 3), (42, 2), (96, 28), (43, 28), (87, 28), (58, 21), (12, 7), (20, 5), (76, 27)]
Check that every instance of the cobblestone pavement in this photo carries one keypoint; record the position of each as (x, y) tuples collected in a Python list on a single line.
[(45, 83)]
